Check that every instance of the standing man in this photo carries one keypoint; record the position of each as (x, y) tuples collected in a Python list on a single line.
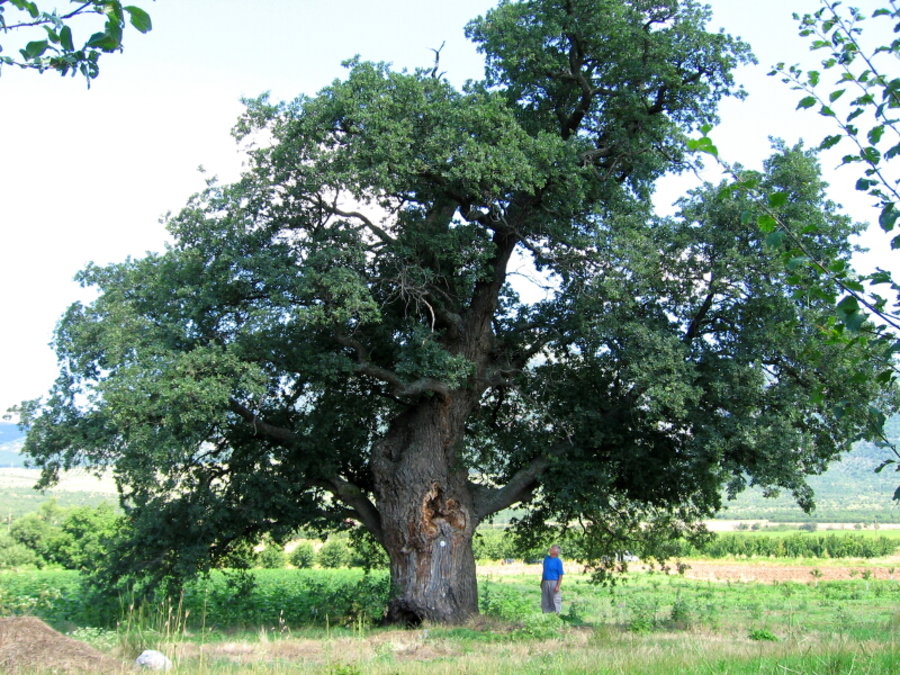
[(551, 579)]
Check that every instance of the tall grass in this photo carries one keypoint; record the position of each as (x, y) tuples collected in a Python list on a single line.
[(653, 623)]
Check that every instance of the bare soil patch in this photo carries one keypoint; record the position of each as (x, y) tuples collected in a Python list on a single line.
[(776, 573), (28, 645), (736, 570)]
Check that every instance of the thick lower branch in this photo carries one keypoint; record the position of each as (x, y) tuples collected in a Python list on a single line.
[(278, 434), (400, 386), (521, 486), (356, 499)]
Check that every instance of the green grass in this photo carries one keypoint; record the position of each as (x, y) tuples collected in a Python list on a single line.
[(652, 623)]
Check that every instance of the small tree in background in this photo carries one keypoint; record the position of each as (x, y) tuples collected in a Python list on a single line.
[(271, 557), (334, 553), (303, 556)]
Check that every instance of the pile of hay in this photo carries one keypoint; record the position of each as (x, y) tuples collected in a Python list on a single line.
[(28, 645)]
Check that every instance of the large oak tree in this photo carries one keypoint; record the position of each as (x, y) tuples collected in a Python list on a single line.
[(340, 333)]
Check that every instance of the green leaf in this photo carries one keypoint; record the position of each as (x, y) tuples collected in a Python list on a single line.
[(826, 111), (65, 39), (849, 314), (774, 239), (766, 223), (797, 260), (871, 155), (807, 102), (830, 141), (875, 134), (703, 144), (104, 41), (885, 376), (26, 6), (863, 184), (34, 50), (777, 199), (139, 18), (881, 277), (836, 94), (892, 152)]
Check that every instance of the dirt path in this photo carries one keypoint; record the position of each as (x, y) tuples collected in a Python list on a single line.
[(767, 572), (763, 571)]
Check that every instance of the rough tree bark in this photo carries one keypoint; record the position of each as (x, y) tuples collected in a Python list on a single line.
[(427, 517)]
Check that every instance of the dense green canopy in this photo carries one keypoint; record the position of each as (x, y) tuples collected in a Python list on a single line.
[(344, 333)]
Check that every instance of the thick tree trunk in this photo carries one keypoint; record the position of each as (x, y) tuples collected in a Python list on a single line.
[(427, 517)]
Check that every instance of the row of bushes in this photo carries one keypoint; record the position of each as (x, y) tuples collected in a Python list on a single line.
[(496, 544), (75, 538), (275, 598), (336, 552), (793, 546)]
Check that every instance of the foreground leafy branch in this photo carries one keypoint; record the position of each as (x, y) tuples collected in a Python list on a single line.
[(51, 43)]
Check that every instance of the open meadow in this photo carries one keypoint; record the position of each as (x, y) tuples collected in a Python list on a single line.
[(721, 616)]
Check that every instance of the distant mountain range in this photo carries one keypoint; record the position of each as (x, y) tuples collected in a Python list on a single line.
[(849, 491)]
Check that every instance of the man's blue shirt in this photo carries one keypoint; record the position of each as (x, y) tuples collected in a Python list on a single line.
[(553, 569)]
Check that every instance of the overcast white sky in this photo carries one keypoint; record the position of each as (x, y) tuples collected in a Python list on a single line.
[(86, 174)]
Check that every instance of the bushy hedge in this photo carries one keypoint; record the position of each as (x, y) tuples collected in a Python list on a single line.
[(276, 598), (794, 546)]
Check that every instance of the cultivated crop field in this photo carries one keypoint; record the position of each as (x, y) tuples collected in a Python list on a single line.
[(771, 616)]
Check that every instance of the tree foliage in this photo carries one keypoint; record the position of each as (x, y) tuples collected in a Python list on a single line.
[(851, 87), (339, 335), (52, 44), (855, 87), (75, 538)]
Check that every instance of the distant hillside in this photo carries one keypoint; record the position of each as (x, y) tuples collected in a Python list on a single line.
[(850, 491)]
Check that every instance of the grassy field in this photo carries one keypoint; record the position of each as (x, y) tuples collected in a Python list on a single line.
[(323, 622)]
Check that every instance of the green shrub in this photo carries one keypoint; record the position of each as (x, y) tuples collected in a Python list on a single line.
[(799, 545), (494, 544), (642, 617), (334, 553), (84, 537), (14, 555), (366, 552), (34, 532), (682, 614), (505, 603), (762, 635), (303, 556), (272, 557)]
